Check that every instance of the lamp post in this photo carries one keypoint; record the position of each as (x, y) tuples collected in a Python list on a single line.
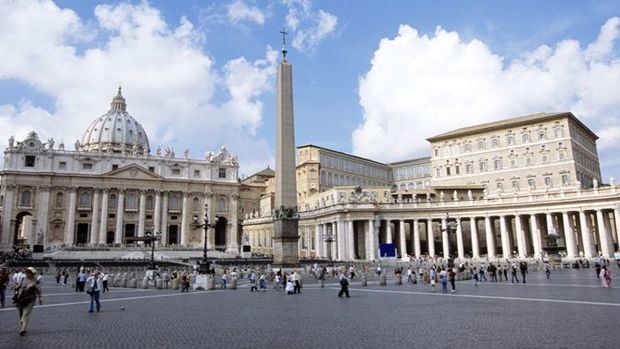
[(205, 266), (329, 237), (450, 229), (151, 238)]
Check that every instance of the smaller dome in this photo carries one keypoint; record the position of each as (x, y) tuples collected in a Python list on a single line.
[(115, 131)]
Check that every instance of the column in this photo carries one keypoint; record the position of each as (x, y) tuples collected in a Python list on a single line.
[(7, 216), (568, 236), (70, 226), (520, 237), (445, 238), (318, 241), (342, 241), (550, 226), (157, 214), (388, 231), (459, 239), (403, 239), (488, 231), (103, 219), (185, 220), (586, 234), (210, 198), (233, 243), (475, 247), (94, 225), (120, 210), (505, 239), (350, 240), (142, 215), (416, 238), (42, 214), (430, 238), (164, 218), (372, 243), (603, 235), (326, 247), (535, 235), (617, 222)]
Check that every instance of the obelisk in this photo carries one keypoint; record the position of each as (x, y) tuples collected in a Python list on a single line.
[(285, 240)]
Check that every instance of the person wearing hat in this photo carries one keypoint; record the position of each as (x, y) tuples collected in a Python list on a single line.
[(27, 292), (94, 290)]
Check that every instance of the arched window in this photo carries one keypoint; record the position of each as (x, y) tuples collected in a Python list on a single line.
[(84, 199), (195, 203), (221, 204), (60, 200), (112, 201), (26, 198), (132, 201), (149, 202)]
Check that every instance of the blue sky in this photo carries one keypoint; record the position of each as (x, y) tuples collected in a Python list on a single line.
[(369, 76)]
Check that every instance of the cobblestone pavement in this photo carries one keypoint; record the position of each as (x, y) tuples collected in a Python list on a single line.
[(570, 310)]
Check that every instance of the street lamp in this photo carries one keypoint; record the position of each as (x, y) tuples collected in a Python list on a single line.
[(151, 239), (205, 266), (329, 237), (450, 229)]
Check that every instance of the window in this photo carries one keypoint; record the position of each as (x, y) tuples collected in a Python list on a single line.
[(196, 173), (447, 171), (221, 204), (528, 160), (469, 168), (30, 160), (60, 199), (548, 182), (221, 173), (457, 170), (558, 132), (497, 164), (87, 166), (62, 165), (562, 156), (114, 167), (84, 199), (565, 179), (511, 140), (531, 183), (495, 143), (480, 145), (515, 184), (176, 171), (499, 186), (25, 200), (526, 137), (175, 203), (195, 203), (468, 147), (541, 136), (132, 202), (112, 201), (436, 152), (483, 165), (152, 168), (544, 158), (513, 162), (149, 202), (437, 172)]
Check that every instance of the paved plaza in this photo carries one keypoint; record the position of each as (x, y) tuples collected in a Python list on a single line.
[(569, 311)]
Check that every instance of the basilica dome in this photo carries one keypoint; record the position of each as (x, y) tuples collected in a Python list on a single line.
[(115, 131)]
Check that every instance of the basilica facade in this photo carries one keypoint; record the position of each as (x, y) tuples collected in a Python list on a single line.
[(112, 187)]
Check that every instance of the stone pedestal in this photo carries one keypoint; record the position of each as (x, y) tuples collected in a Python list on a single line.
[(399, 279), (203, 281), (364, 280), (233, 284), (285, 243), (383, 280)]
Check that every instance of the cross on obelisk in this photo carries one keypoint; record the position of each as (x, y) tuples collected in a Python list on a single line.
[(284, 33)]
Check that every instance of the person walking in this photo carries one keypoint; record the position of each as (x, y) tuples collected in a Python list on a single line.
[(474, 276), (223, 281), (262, 282), (605, 277), (104, 281), (27, 292), (344, 287), (81, 277), (523, 267), (4, 283), (65, 275), (409, 275), (252, 278), (547, 270), (513, 271), (481, 272), (297, 280), (451, 277), (58, 277), (444, 280), (433, 277), (95, 285)]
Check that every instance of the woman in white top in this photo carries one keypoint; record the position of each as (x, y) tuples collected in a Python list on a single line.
[(94, 284)]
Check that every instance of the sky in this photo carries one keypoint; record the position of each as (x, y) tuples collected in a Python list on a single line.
[(371, 78)]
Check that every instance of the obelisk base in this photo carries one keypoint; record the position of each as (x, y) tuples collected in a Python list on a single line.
[(285, 243)]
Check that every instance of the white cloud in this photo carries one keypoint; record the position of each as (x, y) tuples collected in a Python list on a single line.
[(421, 85), (169, 82), (238, 12), (310, 27)]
